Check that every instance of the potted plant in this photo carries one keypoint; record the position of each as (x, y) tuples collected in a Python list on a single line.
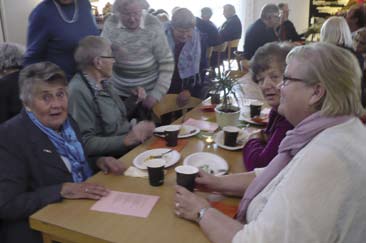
[(227, 114)]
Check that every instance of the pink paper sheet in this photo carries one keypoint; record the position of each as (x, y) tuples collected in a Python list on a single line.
[(125, 203), (203, 125)]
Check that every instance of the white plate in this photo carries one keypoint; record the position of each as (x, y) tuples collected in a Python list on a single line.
[(170, 158), (185, 132), (213, 163), (242, 138)]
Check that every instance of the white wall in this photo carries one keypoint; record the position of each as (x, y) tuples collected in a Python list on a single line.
[(15, 17)]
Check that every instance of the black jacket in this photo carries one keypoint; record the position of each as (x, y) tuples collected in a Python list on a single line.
[(31, 176)]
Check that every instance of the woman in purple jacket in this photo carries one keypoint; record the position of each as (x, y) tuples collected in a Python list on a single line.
[(267, 67)]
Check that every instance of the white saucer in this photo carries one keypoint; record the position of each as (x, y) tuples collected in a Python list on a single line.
[(185, 132), (209, 162), (242, 137), (170, 158)]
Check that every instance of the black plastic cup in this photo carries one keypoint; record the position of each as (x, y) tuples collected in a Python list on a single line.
[(171, 136), (155, 169), (215, 98), (186, 175), (255, 109), (230, 135)]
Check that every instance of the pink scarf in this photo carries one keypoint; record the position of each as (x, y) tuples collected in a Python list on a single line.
[(294, 141)]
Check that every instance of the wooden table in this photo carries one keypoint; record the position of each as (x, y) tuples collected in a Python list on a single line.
[(73, 221)]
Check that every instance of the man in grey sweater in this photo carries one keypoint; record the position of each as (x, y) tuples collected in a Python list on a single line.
[(143, 56)]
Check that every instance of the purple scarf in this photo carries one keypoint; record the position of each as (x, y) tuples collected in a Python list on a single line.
[(294, 141)]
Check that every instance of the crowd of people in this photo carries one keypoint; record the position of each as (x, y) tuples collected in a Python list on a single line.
[(75, 99)]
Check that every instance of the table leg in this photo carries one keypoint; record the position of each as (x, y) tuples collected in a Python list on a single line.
[(47, 238)]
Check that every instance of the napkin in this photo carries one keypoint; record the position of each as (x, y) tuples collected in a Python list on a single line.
[(161, 143), (229, 210), (135, 172), (203, 125)]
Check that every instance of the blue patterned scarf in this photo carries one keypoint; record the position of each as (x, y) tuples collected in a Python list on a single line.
[(190, 56), (68, 146)]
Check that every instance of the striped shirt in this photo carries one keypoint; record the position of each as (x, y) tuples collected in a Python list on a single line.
[(143, 56)]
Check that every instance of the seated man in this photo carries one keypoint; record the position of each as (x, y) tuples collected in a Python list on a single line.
[(206, 27), (231, 29), (262, 31), (209, 35), (286, 31)]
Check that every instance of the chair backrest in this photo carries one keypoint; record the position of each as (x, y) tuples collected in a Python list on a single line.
[(220, 48), (236, 74), (230, 45), (209, 51), (168, 104)]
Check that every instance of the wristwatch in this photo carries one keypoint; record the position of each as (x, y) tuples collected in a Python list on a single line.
[(201, 213)]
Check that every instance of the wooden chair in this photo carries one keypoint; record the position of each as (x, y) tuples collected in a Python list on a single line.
[(220, 49), (230, 46), (168, 104), (209, 51), (236, 74)]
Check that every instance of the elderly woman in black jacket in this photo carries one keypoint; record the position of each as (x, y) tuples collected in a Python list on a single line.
[(42, 158)]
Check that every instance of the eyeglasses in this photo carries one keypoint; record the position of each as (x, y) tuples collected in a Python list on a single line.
[(111, 57), (286, 80), (131, 14)]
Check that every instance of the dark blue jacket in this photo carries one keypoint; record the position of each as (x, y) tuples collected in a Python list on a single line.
[(256, 36), (210, 31), (231, 29)]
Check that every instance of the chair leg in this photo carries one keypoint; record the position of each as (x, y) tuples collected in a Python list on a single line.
[(218, 64)]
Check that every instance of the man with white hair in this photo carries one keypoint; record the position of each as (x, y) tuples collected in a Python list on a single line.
[(262, 31), (143, 56)]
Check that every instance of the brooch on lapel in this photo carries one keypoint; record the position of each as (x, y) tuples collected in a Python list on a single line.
[(47, 151)]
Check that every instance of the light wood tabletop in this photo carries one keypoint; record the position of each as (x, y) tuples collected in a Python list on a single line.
[(73, 221)]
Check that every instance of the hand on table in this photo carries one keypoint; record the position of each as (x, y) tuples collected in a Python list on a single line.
[(83, 190), (110, 165), (149, 102), (183, 98), (187, 204)]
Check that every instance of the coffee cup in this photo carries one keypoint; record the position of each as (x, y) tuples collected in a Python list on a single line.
[(215, 98), (255, 109), (171, 135), (186, 175), (230, 135), (155, 169)]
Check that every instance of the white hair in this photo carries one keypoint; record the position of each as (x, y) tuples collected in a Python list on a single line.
[(11, 55), (335, 30), (89, 48), (118, 5)]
